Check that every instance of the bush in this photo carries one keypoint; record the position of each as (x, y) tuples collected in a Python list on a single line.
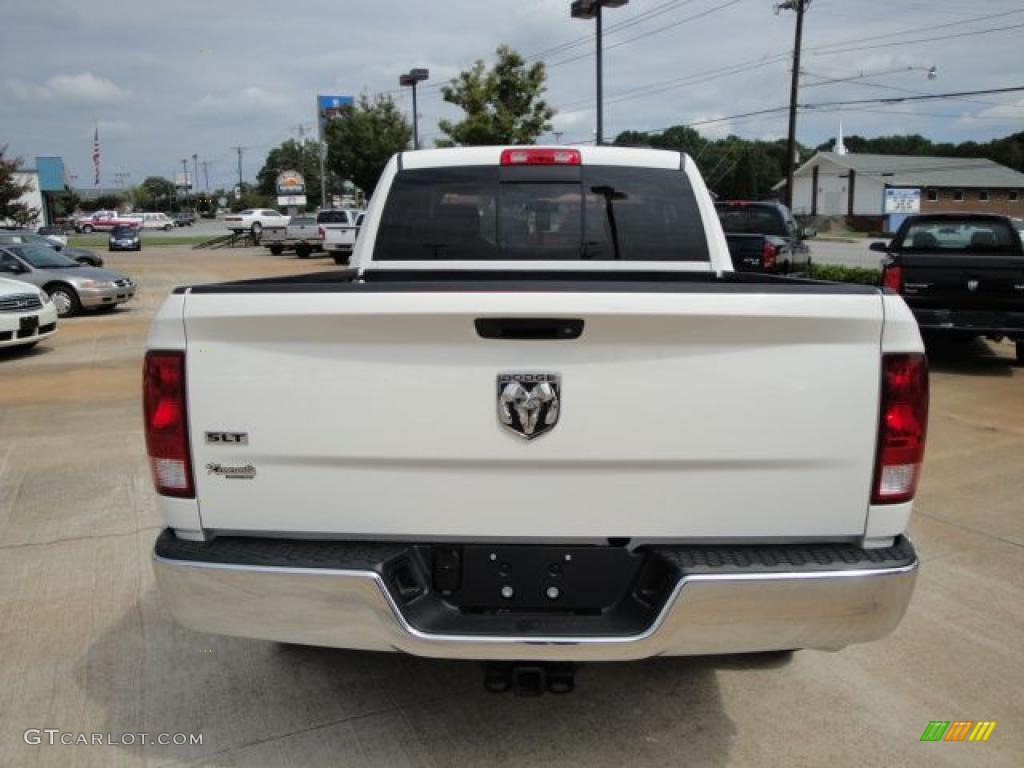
[(839, 274)]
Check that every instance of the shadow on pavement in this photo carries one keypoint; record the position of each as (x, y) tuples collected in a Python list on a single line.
[(971, 357), (262, 703)]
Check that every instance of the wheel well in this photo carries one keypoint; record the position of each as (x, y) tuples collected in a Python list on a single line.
[(58, 284)]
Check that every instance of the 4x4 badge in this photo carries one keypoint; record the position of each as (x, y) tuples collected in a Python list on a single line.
[(529, 403)]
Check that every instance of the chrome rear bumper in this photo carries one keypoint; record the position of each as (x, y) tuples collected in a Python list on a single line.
[(734, 611)]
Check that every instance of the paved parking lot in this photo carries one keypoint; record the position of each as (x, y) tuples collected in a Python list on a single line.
[(86, 647)]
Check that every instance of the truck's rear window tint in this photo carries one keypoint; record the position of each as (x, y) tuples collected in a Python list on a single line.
[(966, 234), (608, 213), (751, 220)]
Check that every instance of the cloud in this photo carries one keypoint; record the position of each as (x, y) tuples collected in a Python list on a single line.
[(112, 129), (244, 102), (84, 88)]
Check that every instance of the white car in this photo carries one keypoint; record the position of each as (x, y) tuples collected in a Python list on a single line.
[(541, 419), (151, 220), (255, 219), (27, 316)]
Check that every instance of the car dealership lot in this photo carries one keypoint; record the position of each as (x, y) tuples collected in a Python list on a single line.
[(87, 647)]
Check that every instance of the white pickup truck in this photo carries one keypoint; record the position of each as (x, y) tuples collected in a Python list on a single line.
[(540, 418), (339, 229)]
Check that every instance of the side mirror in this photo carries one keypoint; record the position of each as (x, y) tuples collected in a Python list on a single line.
[(806, 233), (880, 247), (13, 268)]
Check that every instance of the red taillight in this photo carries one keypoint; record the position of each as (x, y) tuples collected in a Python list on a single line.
[(769, 254), (892, 277), (166, 418), (541, 156), (903, 424)]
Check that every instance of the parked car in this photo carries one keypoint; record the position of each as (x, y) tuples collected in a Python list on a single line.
[(300, 233), (561, 437), (151, 220), (961, 273), (125, 239), (102, 221), (183, 218), (81, 255), (254, 220), (27, 316), (764, 237), (340, 229), (56, 235), (71, 286)]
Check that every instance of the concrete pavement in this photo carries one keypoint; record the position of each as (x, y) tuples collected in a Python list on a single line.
[(85, 645)]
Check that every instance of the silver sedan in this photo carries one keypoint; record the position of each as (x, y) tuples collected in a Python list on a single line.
[(71, 286)]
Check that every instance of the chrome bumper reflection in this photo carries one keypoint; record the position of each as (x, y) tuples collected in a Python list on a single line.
[(706, 614)]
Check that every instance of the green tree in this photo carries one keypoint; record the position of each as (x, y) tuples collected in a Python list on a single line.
[(155, 193), (11, 191), (292, 156), (503, 105), (363, 138)]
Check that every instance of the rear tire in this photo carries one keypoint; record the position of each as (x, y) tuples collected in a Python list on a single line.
[(302, 250), (168, 227), (277, 250), (256, 229), (340, 260), (64, 299), (87, 229)]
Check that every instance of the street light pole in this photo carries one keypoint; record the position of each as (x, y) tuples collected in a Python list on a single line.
[(799, 6), (195, 175), (184, 181), (591, 9), (411, 79)]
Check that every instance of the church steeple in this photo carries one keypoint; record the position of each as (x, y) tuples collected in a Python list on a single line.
[(840, 148)]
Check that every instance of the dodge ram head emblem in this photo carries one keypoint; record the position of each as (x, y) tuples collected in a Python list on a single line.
[(528, 403)]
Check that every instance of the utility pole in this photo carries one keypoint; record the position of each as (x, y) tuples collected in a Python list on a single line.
[(206, 175), (195, 177), (800, 6), (239, 151), (411, 79), (184, 181), (591, 9)]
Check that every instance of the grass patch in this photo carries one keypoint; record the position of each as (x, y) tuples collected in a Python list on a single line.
[(100, 240), (839, 274)]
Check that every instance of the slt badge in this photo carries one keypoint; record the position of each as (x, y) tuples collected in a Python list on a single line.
[(529, 403)]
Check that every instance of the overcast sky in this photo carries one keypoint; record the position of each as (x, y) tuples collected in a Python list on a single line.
[(166, 80)]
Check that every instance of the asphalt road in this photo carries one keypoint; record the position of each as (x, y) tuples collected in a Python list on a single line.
[(85, 646)]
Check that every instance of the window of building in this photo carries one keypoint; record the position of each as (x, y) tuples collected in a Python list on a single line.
[(958, 195), (1014, 195), (983, 195), (933, 195)]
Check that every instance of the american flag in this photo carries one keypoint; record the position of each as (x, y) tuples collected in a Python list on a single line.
[(96, 155)]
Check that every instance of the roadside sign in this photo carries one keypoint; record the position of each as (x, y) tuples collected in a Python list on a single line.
[(328, 107), (183, 180), (902, 200), (290, 183), (291, 199)]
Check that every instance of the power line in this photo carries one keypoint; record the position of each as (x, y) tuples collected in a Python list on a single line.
[(919, 40), (828, 104), (915, 31), (702, 14)]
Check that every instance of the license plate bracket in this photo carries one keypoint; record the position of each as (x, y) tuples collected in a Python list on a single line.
[(543, 577)]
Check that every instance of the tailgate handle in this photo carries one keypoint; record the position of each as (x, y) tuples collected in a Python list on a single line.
[(529, 328)]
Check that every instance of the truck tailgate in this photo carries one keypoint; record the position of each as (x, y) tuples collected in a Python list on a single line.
[(683, 415), (961, 281)]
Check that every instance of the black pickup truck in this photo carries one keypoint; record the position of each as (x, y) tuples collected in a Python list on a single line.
[(961, 274), (764, 237)]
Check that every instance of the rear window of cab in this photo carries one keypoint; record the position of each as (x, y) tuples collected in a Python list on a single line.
[(589, 213)]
